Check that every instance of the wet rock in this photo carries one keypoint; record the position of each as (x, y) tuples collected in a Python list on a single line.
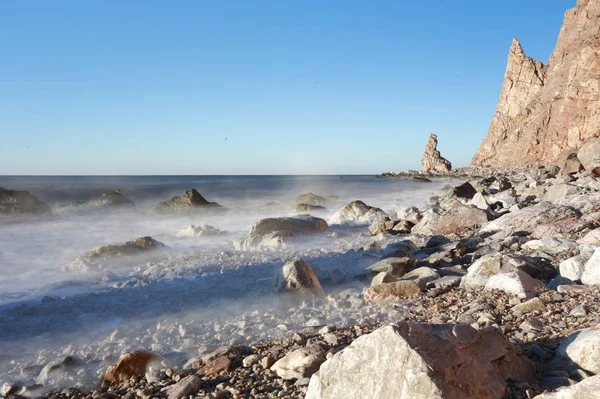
[(271, 232), (59, 371), (301, 363), (21, 203), (433, 163), (200, 231), (391, 292), (109, 200), (583, 349), (397, 267), (308, 208), (191, 201), (297, 276), (516, 283), (130, 253), (311, 199), (465, 191), (131, 364), (424, 361), (357, 212)]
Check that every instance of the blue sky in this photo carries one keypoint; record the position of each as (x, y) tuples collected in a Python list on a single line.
[(149, 87)]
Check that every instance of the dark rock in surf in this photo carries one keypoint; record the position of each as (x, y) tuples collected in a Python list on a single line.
[(109, 200), (135, 252), (21, 203), (311, 199), (191, 201), (308, 208)]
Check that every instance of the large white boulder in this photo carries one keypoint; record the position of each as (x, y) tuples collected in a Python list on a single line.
[(591, 273), (420, 361), (583, 348), (359, 213), (516, 283)]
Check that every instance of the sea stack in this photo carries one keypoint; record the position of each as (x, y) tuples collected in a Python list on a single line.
[(547, 111), (433, 163)]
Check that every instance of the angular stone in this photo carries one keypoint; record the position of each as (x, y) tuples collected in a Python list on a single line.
[(358, 213), (530, 306), (591, 238), (301, 363), (186, 387), (586, 389), (422, 276), (572, 268), (591, 273), (382, 278), (589, 155), (457, 221), (422, 361), (551, 246), (516, 283), (583, 348), (191, 201), (395, 266), (216, 366), (297, 276)]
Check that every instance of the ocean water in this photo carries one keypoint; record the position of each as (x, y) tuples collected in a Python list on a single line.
[(47, 311)]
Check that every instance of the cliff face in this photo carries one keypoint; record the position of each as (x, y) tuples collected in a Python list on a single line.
[(544, 111)]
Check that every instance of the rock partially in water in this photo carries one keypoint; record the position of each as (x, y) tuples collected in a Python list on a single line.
[(59, 371), (109, 200), (21, 203), (433, 163), (302, 207), (358, 213), (131, 364), (191, 201), (271, 233), (130, 253), (200, 231), (297, 276), (311, 199), (422, 361)]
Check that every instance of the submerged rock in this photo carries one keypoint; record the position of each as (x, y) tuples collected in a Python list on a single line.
[(200, 231), (21, 203), (308, 207), (297, 276), (135, 252), (109, 200), (59, 371), (311, 199), (191, 201), (422, 361), (357, 212), (433, 163), (271, 233)]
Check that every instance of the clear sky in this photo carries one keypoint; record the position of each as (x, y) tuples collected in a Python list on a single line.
[(254, 87)]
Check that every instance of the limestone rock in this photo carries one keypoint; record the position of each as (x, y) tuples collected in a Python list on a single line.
[(191, 201), (591, 272), (391, 292), (487, 266), (545, 110), (583, 348), (357, 212), (433, 163), (272, 232), (586, 389), (589, 155), (516, 283), (297, 276), (130, 253), (21, 203), (418, 361), (301, 363), (131, 364)]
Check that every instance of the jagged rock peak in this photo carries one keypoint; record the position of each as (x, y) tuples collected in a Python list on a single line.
[(433, 163), (545, 111)]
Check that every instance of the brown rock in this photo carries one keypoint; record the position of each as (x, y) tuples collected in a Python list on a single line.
[(390, 292), (433, 163), (191, 201), (545, 110), (297, 276), (216, 366), (131, 364)]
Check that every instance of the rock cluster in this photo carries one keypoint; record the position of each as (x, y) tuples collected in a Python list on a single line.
[(546, 112)]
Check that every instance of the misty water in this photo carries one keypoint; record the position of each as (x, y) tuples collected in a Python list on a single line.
[(47, 312)]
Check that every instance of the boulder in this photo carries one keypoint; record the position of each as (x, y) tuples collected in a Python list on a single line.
[(591, 238), (131, 364), (572, 268), (131, 253), (396, 266), (411, 214), (382, 278), (200, 231), (583, 349), (457, 221), (572, 164), (479, 201), (541, 220), (59, 372), (465, 191), (410, 361), (391, 292), (191, 201), (551, 246), (586, 389), (198, 362), (422, 276), (301, 363), (490, 265), (311, 199), (21, 203), (589, 155), (591, 272), (516, 283), (357, 212), (557, 192), (109, 200), (272, 232), (297, 276), (433, 163)]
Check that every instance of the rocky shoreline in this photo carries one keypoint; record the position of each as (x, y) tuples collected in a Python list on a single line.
[(507, 253)]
